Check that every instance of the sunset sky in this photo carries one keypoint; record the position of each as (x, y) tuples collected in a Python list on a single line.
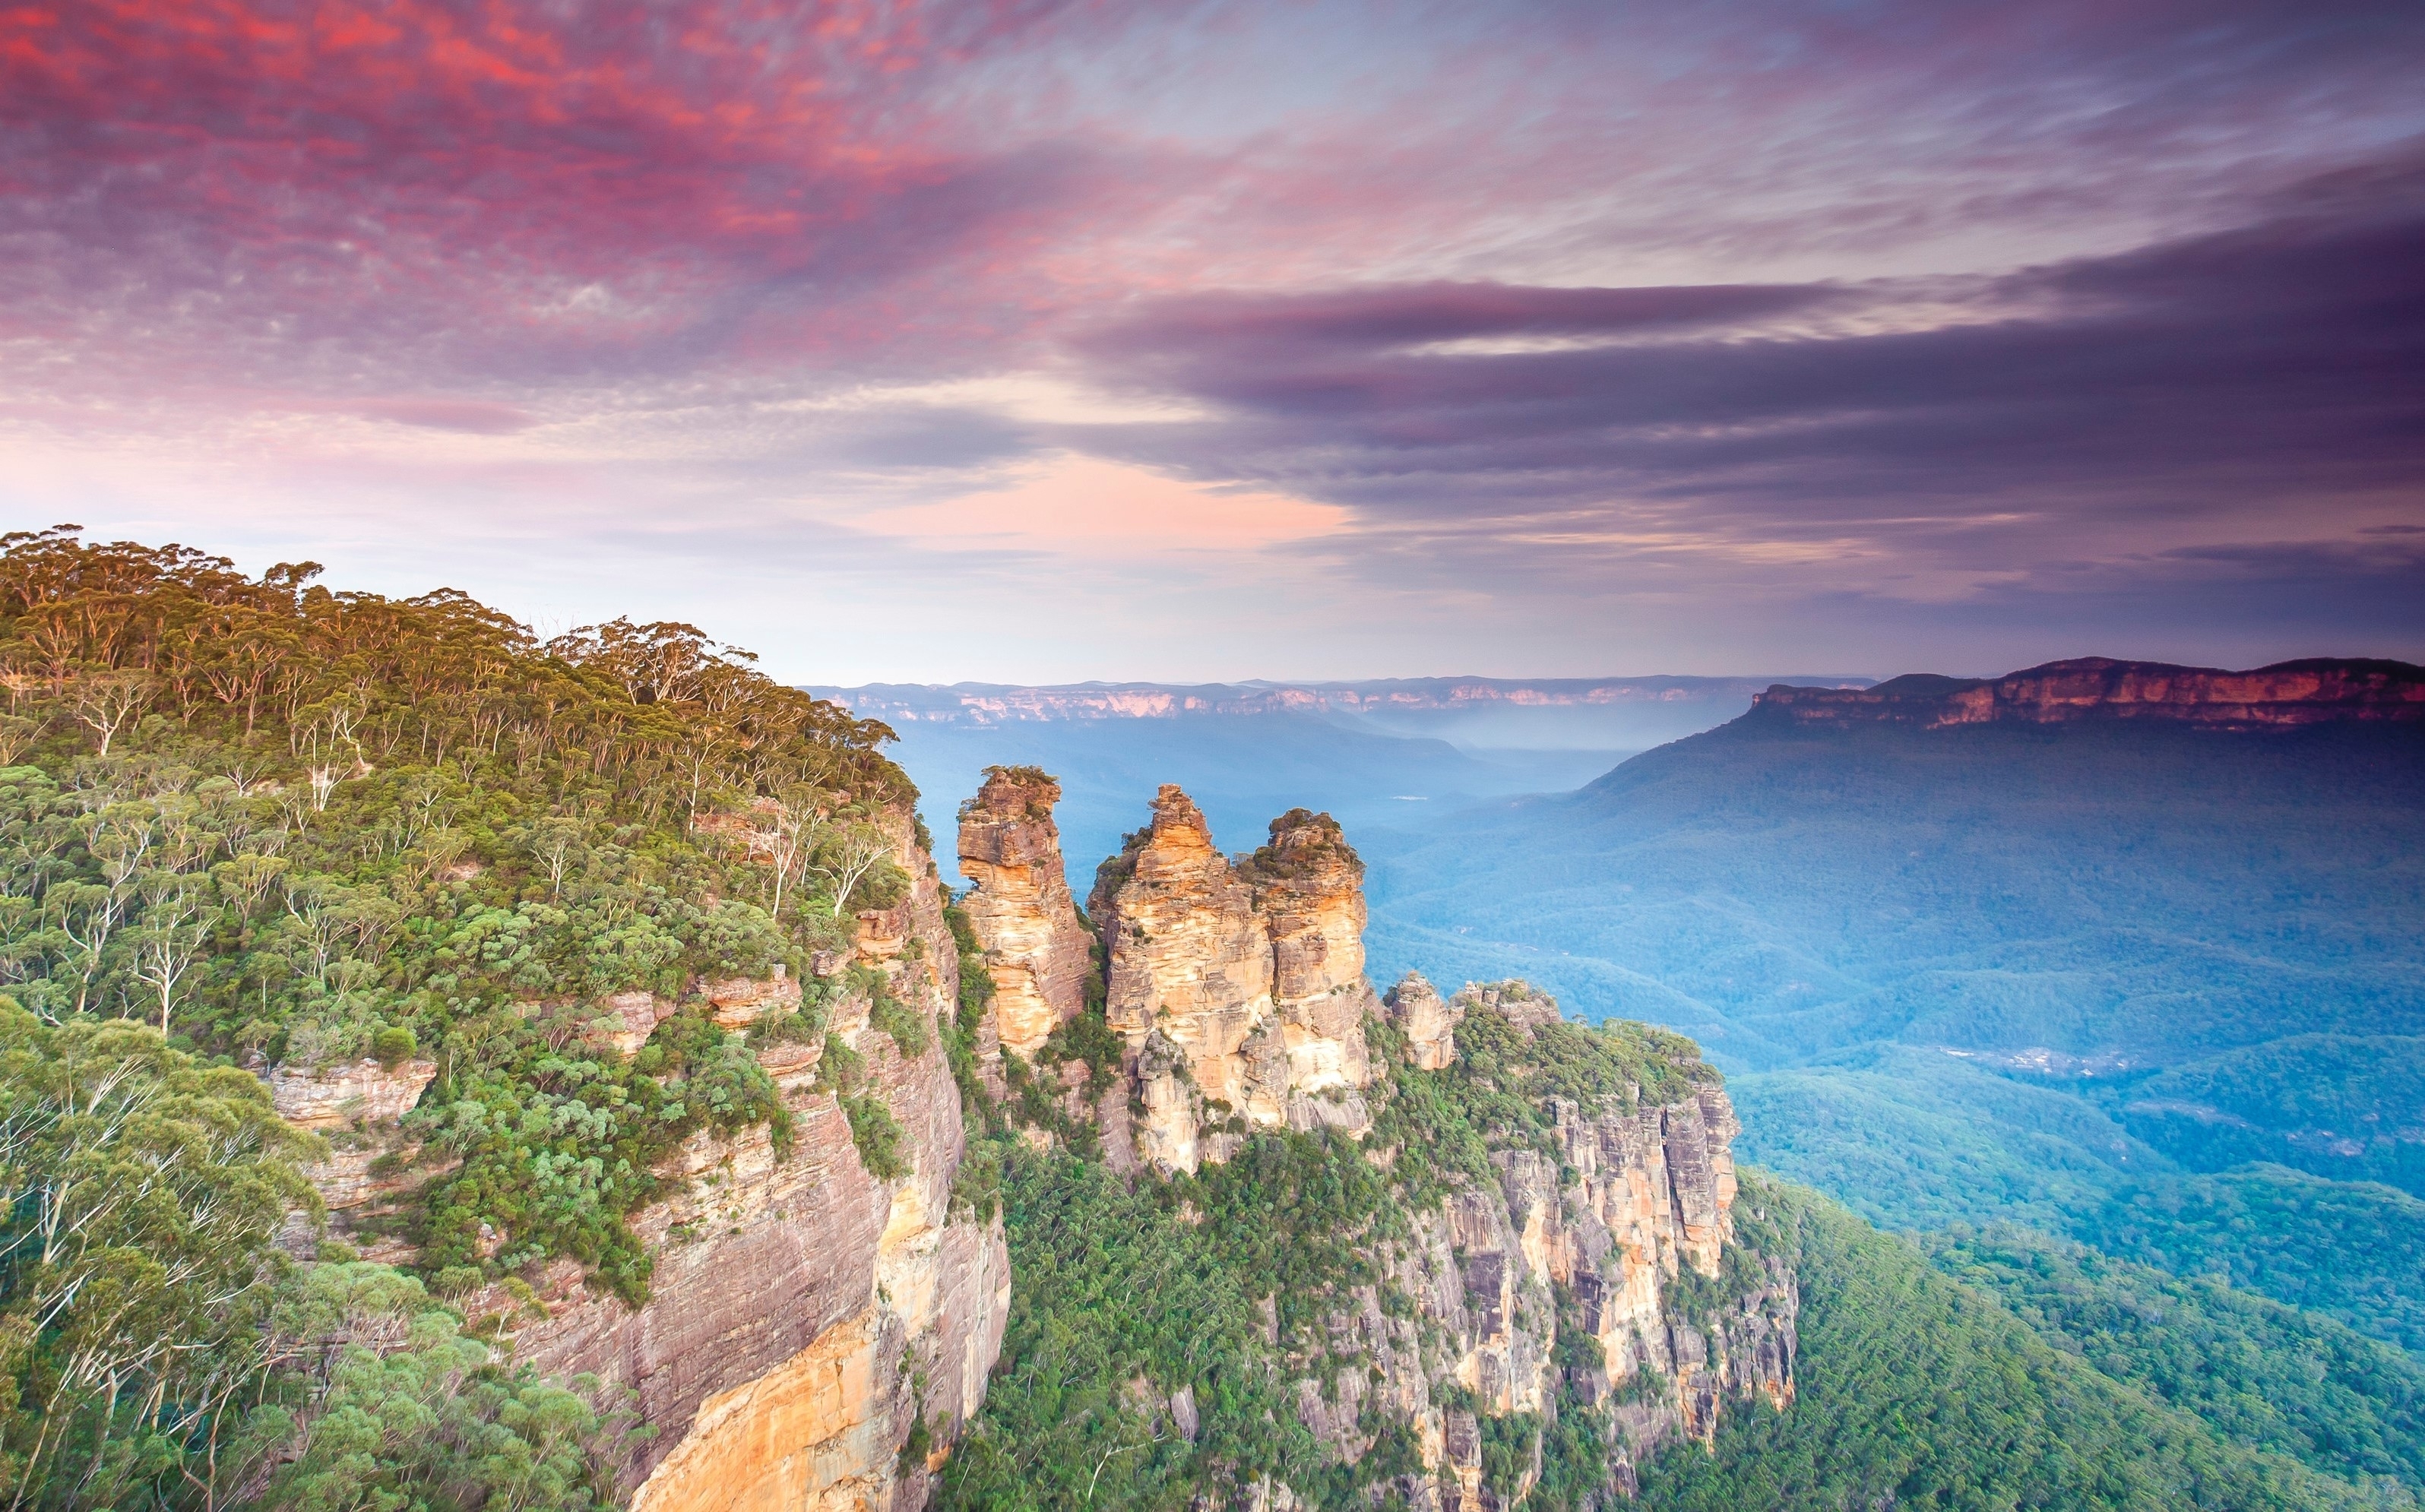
[(1033, 342)]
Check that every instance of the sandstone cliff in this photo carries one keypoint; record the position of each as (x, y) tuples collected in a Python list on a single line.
[(1637, 1200), (1036, 948), (805, 1314), (2288, 695)]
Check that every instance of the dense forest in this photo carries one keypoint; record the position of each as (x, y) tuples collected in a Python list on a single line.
[(252, 822)]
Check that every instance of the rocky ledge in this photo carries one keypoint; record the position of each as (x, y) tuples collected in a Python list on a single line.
[(2285, 696), (1615, 1217)]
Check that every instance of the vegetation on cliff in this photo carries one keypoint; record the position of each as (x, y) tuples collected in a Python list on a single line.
[(1222, 1289), (161, 1351), (280, 826)]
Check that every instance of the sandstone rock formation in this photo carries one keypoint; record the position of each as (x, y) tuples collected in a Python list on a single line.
[(371, 1166), (1036, 946), (742, 1001), (2288, 695), (1310, 887), (1414, 1006), (1240, 989), (335, 1096)]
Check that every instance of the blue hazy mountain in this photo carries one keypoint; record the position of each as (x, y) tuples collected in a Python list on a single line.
[(2156, 985)]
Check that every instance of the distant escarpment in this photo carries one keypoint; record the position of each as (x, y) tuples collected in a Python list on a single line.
[(1536, 1272), (2286, 696)]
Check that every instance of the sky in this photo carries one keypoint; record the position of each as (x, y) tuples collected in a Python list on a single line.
[(1036, 341)]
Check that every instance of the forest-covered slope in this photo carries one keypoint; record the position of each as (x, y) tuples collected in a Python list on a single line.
[(2152, 987), (509, 930)]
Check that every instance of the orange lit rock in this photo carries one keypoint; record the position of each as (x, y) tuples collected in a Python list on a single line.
[(2288, 695), (1309, 885), (1019, 909), (1190, 958)]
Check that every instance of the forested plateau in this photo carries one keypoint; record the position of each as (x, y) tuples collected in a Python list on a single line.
[(446, 1069)]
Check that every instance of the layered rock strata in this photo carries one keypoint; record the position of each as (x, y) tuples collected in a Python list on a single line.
[(2285, 696), (1238, 986), (805, 1314), (1036, 947), (1309, 887)]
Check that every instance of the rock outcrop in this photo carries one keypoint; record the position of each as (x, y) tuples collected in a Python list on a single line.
[(1414, 1007), (1036, 947), (333, 1097), (1239, 988), (1641, 1192), (2285, 696), (1309, 887)]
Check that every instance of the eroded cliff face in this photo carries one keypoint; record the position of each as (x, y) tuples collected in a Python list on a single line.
[(2286, 696), (805, 1314), (1036, 948), (1639, 1197), (1239, 988)]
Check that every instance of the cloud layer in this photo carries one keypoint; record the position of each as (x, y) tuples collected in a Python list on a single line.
[(1542, 338)]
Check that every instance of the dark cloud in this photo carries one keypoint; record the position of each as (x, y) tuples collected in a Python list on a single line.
[(2278, 364), (1366, 238)]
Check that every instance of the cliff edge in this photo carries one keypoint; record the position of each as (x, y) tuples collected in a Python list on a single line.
[(2285, 696)]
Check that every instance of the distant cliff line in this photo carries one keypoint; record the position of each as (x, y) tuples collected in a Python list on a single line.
[(2284, 695), (982, 703)]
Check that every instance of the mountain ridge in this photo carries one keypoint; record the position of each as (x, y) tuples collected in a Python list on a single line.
[(2281, 695)]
